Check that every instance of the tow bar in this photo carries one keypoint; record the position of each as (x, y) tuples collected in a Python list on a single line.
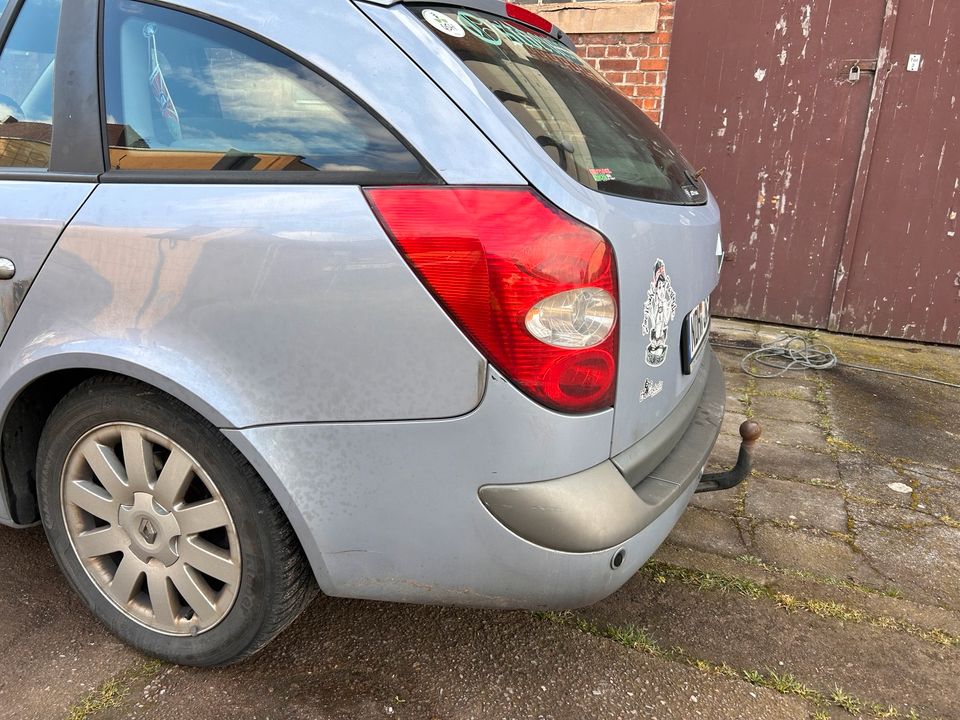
[(749, 434)]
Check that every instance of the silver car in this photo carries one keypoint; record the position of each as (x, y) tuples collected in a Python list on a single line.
[(395, 300)]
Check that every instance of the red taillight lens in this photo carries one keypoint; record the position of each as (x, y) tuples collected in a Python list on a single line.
[(489, 256), (525, 16)]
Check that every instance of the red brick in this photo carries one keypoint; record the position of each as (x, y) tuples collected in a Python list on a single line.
[(616, 51), (658, 64), (621, 64), (649, 91)]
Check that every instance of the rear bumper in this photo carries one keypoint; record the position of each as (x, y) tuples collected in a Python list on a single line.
[(391, 511), (603, 507)]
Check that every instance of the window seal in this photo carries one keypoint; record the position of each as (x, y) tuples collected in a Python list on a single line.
[(41, 175), (265, 177), (75, 115), (7, 17), (427, 175)]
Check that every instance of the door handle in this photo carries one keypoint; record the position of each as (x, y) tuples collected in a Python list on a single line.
[(7, 269)]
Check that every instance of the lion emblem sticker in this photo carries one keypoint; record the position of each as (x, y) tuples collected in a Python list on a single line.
[(659, 310)]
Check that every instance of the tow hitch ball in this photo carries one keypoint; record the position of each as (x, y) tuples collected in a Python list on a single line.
[(749, 434)]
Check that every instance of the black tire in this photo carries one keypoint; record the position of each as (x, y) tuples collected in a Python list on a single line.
[(275, 584)]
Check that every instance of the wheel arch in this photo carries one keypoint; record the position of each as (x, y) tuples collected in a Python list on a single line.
[(30, 395)]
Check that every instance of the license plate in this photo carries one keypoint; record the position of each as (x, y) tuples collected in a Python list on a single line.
[(696, 328)]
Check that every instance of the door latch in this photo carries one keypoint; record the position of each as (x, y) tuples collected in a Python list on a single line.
[(853, 70)]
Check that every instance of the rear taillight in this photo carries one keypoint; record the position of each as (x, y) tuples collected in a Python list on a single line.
[(533, 288)]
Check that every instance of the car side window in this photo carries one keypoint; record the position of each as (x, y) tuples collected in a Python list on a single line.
[(26, 86), (187, 94)]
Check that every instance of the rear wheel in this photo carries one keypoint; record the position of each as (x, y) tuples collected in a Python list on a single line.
[(163, 528)]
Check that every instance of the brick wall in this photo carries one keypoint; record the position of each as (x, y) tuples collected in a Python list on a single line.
[(634, 62)]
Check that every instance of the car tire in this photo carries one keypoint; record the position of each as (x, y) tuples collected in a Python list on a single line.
[(129, 482)]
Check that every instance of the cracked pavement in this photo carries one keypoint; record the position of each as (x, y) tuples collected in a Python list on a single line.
[(826, 585)]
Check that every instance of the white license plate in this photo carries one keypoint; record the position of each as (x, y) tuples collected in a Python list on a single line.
[(697, 329)]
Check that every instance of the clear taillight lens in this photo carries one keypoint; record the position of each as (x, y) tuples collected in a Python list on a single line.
[(533, 288), (580, 318)]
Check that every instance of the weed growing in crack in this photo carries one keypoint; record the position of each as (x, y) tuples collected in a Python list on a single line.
[(848, 702), (705, 581)]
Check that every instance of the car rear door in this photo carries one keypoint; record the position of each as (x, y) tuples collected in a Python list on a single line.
[(50, 154), (576, 141), (42, 184)]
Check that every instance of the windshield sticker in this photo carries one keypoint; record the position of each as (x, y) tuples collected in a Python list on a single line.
[(443, 23), (602, 174), (659, 310), (495, 32), (650, 389)]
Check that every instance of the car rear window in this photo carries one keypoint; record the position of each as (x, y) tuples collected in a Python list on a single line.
[(592, 131)]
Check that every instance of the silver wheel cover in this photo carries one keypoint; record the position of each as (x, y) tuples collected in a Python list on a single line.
[(151, 529)]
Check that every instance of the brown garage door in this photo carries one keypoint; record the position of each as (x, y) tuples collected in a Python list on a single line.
[(767, 102), (902, 267)]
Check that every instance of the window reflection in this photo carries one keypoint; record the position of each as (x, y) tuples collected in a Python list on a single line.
[(26, 86), (187, 94)]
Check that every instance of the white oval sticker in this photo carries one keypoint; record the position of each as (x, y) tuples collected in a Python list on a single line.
[(443, 23)]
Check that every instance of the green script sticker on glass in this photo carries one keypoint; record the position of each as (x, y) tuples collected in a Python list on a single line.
[(602, 174)]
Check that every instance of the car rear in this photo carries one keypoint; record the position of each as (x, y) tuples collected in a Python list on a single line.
[(613, 250)]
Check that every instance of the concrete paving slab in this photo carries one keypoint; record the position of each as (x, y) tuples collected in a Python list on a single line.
[(795, 503), (821, 555), (783, 408), (731, 422), (865, 515), (789, 463), (793, 434), (710, 532), (798, 386), (865, 476), (808, 586), (923, 561), (937, 490), (897, 418), (727, 502)]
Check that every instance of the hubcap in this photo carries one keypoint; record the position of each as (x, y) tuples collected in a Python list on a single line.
[(151, 529)]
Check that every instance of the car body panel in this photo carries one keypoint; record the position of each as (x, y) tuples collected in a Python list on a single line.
[(273, 305), (683, 237), (33, 217), (32, 220), (391, 506)]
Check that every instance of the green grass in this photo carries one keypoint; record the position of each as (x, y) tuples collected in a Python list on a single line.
[(111, 693), (715, 582), (849, 703), (639, 639)]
